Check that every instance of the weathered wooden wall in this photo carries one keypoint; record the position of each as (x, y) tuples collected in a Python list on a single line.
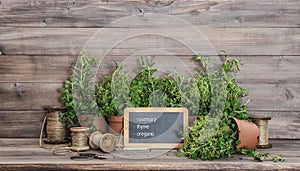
[(39, 40)]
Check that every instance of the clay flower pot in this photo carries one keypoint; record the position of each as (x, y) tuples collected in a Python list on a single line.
[(116, 124), (84, 119), (192, 119), (100, 123), (97, 121), (248, 134)]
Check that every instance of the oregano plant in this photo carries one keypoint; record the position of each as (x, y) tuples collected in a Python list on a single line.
[(216, 137)]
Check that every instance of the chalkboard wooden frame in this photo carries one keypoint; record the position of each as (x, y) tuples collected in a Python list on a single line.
[(171, 145)]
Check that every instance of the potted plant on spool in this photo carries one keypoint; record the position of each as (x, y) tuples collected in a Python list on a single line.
[(220, 136), (79, 96)]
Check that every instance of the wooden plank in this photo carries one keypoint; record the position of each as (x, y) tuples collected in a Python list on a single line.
[(273, 97), (69, 41), (18, 142), (35, 68), (254, 69), (29, 96), (269, 69), (22, 116), (80, 13), (33, 96), (35, 158), (21, 123), (20, 129), (156, 166)]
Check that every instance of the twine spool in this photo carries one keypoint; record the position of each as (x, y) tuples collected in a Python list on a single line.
[(262, 124), (79, 139), (106, 142), (56, 130)]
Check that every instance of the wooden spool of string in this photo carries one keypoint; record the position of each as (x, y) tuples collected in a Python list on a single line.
[(79, 141), (262, 124), (106, 142), (56, 130)]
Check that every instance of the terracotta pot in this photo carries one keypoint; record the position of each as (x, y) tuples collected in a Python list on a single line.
[(100, 123), (192, 119), (83, 119), (116, 124), (248, 134)]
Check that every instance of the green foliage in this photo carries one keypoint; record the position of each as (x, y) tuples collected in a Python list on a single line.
[(68, 115), (78, 92), (260, 156), (214, 136), (146, 90), (209, 139), (188, 93), (104, 98), (112, 94), (83, 89)]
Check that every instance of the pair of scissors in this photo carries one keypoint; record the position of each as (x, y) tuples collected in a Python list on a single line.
[(88, 156)]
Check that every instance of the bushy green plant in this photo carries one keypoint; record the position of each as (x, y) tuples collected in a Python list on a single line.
[(78, 92), (147, 90), (68, 114), (83, 87), (215, 136), (104, 97), (112, 94)]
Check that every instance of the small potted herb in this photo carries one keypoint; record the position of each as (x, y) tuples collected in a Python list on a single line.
[(112, 98), (79, 95)]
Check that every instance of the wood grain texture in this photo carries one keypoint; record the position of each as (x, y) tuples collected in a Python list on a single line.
[(273, 97), (34, 96), (69, 41), (31, 157), (56, 69), (269, 69), (21, 123), (94, 13), (29, 96), (35, 68), (283, 124)]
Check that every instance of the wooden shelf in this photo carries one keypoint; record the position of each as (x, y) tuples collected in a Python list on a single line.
[(25, 154)]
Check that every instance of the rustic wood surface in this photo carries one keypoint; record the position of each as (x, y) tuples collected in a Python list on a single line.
[(56, 69), (25, 154), (39, 40), (34, 96), (66, 41), (94, 13)]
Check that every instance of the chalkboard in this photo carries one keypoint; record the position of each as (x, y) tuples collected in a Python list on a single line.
[(154, 127)]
